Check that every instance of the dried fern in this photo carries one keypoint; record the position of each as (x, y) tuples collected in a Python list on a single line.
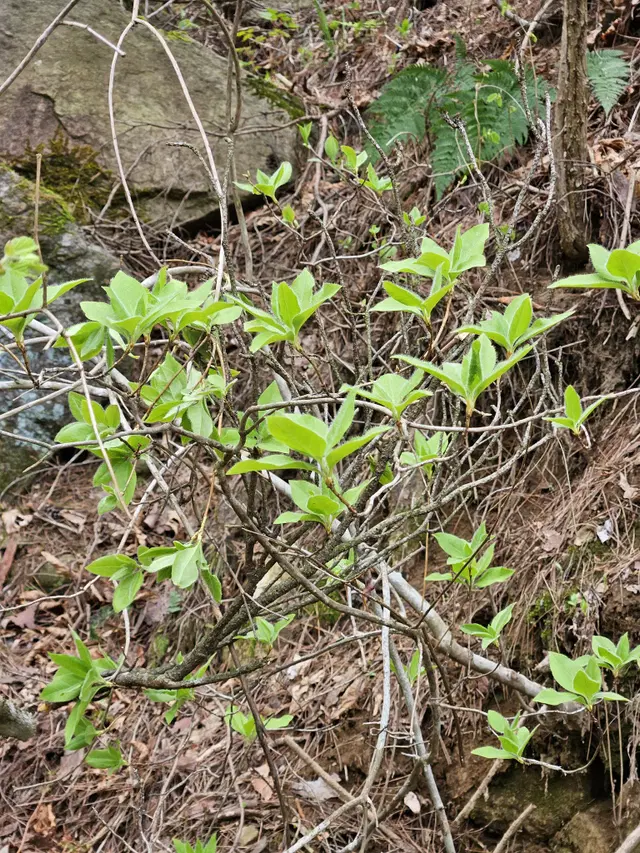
[(608, 73)]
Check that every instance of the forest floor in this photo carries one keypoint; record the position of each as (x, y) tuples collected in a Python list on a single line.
[(568, 522)]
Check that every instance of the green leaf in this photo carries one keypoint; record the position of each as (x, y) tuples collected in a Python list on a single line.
[(76, 667), (608, 72), (501, 619), (213, 584), (284, 303), (275, 723), (624, 264), (342, 421), (572, 404), (75, 432), (491, 752), (324, 505), (588, 280), (587, 412), (585, 686), (468, 249), (553, 697), (184, 571), (353, 444), (302, 433), (476, 630), (563, 669), (497, 722), (107, 566), (126, 591), (496, 574), (272, 462), (610, 697), (105, 759), (402, 295), (64, 686), (290, 517)]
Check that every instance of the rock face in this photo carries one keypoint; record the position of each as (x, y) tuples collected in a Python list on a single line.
[(69, 255), (64, 91), (65, 249), (557, 800)]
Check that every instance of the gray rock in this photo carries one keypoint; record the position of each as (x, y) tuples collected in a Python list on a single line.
[(69, 255), (64, 91)]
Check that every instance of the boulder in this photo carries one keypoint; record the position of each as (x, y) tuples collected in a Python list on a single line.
[(69, 255), (556, 798), (64, 93), (589, 831)]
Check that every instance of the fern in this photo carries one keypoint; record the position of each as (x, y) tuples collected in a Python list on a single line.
[(494, 119), (489, 103), (399, 112), (608, 73)]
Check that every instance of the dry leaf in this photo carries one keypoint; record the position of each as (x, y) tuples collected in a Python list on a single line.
[(157, 607), (69, 762), (13, 520), (166, 521), (44, 820), (55, 561), (248, 835), (316, 789), (583, 535), (24, 618), (412, 802), (142, 748), (629, 492), (6, 561), (263, 783), (77, 519), (552, 540)]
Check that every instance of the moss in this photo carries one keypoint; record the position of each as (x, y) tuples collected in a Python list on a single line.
[(159, 648), (72, 174), (540, 615), (279, 98), (557, 800)]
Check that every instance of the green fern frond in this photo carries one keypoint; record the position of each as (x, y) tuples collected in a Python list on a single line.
[(488, 102), (608, 73), (399, 111)]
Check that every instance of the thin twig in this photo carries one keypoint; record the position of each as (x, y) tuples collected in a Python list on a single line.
[(501, 846), (38, 44)]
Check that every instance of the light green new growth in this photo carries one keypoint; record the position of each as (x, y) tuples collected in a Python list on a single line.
[(574, 415), (616, 270)]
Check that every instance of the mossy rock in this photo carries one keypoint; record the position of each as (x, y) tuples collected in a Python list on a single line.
[(69, 255), (72, 175), (557, 799), (59, 105), (590, 831)]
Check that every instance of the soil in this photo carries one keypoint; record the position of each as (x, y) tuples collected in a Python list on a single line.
[(552, 516)]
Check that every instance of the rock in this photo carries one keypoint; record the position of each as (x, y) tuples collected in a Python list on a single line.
[(65, 248), (69, 255), (590, 831), (557, 800), (64, 92)]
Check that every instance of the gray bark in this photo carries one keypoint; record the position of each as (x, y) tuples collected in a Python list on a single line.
[(571, 153)]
